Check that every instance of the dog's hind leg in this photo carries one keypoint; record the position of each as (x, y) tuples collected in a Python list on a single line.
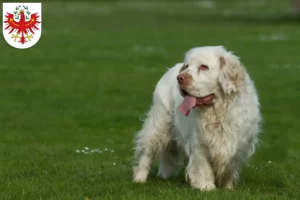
[(151, 141), (169, 161)]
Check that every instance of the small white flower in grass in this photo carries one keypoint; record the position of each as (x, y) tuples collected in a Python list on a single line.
[(111, 151), (269, 162), (86, 148), (92, 151), (105, 149), (82, 151), (78, 151), (114, 163)]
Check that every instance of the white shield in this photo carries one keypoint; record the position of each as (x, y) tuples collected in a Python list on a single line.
[(22, 24)]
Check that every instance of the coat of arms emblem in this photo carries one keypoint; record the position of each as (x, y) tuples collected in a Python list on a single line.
[(22, 24)]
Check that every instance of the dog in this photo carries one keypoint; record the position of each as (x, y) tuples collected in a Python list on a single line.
[(207, 109)]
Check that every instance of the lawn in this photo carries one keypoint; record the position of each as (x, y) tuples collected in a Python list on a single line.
[(91, 77)]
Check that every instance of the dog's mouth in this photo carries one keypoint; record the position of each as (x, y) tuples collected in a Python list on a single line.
[(191, 101), (183, 92)]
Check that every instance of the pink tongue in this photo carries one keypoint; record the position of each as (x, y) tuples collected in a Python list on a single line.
[(188, 103)]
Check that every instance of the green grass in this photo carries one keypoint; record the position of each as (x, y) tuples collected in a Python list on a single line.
[(91, 77)]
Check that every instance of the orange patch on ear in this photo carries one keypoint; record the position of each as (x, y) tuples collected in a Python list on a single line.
[(222, 61), (235, 78), (239, 77)]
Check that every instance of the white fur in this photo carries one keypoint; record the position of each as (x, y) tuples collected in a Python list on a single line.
[(215, 139)]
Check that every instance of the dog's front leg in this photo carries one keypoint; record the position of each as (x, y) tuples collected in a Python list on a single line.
[(199, 171)]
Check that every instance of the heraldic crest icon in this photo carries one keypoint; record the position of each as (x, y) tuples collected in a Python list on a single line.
[(22, 24)]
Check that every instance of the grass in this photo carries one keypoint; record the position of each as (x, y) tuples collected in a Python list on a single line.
[(91, 77)]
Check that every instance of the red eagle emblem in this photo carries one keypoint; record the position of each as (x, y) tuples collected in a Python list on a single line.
[(24, 26)]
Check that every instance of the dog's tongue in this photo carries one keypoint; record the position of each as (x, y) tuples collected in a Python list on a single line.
[(188, 103)]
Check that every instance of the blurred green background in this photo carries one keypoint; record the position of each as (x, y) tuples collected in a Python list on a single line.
[(92, 74)]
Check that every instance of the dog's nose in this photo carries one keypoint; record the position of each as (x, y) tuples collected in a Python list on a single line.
[(180, 78)]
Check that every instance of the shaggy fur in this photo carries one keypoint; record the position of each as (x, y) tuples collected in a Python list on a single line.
[(215, 139)]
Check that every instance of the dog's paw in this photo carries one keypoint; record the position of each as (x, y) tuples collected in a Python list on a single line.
[(163, 175), (230, 186), (204, 186), (140, 177)]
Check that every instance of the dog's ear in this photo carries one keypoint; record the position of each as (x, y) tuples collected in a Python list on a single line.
[(231, 72)]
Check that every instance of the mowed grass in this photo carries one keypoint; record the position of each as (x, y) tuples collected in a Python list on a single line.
[(92, 74)]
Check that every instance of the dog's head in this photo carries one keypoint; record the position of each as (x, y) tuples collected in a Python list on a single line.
[(210, 70)]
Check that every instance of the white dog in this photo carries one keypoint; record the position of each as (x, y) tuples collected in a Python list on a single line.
[(206, 107)]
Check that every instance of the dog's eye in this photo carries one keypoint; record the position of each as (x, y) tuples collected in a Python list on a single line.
[(185, 67), (203, 67)]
